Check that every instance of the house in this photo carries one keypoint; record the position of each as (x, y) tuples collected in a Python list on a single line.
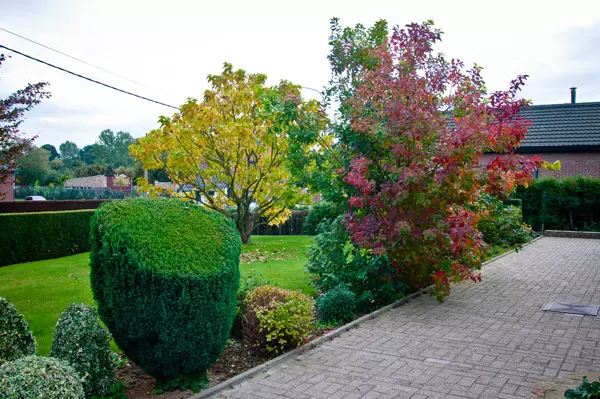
[(569, 133), (97, 182), (7, 187)]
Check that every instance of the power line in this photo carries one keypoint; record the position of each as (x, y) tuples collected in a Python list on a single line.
[(86, 78), (74, 58)]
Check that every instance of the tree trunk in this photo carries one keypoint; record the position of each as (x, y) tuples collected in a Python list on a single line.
[(244, 222)]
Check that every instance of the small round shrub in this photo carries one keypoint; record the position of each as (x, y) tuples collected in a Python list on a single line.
[(16, 340), (81, 341), (276, 320), (34, 377), (165, 275), (336, 306)]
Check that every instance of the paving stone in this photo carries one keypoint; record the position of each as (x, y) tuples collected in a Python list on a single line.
[(487, 340)]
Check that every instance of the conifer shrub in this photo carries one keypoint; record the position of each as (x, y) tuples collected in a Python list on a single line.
[(276, 319), (16, 339), (165, 275), (336, 306), (34, 377), (81, 341)]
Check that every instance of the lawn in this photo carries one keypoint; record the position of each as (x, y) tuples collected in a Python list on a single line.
[(42, 290)]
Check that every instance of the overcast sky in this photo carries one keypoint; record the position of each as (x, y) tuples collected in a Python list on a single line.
[(170, 47)]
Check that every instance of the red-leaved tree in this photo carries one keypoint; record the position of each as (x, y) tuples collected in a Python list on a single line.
[(12, 111), (422, 125)]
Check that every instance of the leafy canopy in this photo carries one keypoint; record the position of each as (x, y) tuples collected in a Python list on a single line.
[(231, 148), (420, 125)]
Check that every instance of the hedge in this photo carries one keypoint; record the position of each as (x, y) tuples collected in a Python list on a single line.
[(48, 206), (60, 193), (27, 237), (570, 204), (165, 276)]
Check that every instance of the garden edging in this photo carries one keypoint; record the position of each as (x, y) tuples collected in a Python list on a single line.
[(327, 337)]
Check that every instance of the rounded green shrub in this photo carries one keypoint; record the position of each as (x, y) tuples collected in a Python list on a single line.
[(336, 306), (81, 341), (34, 377), (275, 319), (165, 275), (16, 339)]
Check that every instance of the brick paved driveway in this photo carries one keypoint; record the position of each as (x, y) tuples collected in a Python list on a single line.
[(488, 340)]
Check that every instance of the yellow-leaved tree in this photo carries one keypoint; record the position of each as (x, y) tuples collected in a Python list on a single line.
[(230, 151)]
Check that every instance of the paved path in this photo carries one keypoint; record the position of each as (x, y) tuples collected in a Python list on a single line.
[(488, 340)]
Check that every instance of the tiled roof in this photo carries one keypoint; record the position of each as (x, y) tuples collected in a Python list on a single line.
[(98, 181), (563, 126)]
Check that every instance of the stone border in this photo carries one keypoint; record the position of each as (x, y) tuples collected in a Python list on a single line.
[(572, 234), (235, 380)]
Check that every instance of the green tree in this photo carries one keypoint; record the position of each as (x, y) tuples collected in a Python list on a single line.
[(69, 153), (53, 152), (232, 147), (90, 170), (33, 167), (116, 148), (92, 154)]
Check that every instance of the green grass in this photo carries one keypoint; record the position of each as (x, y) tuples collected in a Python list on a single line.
[(42, 290), (280, 259)]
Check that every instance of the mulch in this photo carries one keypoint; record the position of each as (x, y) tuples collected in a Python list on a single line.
[(235, 359)]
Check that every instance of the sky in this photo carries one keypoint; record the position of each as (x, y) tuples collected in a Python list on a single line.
[(169, 48)]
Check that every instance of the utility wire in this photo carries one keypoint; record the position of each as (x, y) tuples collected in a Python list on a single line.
[(74, 58), (86, 78)]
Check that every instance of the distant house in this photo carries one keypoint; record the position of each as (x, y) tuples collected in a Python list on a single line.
[(569, 133), (7, 188), (97, 182)]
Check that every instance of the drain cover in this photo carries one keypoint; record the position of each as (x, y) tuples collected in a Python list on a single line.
[(572, 308)]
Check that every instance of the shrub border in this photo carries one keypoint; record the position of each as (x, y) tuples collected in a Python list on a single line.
[(246, 375)]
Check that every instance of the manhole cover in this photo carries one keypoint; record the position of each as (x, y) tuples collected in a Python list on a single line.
[(572, 308)]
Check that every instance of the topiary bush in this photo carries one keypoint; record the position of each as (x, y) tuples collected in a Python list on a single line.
[(276, 319), (34, 377), (165, 276), (336, 306), (81, 341), (16, 339)]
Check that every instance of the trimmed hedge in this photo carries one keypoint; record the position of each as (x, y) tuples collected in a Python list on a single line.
[(48, 206), (60, 193), (570, 204), (27, 237), (165, 276)]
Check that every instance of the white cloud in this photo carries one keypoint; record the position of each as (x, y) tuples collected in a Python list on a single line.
[(172, 46)]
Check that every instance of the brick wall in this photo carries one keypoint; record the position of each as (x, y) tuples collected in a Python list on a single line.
[(572, 163), (7, 188)]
